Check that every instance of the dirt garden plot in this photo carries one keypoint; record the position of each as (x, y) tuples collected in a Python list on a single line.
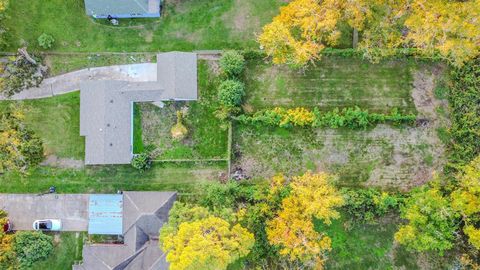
[(384, 156)]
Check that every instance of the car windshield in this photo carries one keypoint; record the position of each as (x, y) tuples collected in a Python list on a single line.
[(45, 225)]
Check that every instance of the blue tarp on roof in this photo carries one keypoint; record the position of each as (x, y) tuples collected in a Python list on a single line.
[(105, 214)]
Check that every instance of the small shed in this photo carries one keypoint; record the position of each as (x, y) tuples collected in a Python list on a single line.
[(105, 214), (123, 8)]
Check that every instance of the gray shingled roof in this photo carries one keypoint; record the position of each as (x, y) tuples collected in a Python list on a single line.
[(144, 213), (123, 8), (106, 107)]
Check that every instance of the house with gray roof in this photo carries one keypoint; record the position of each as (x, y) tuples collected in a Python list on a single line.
[(106, 107), (123, 8), (142, 216)]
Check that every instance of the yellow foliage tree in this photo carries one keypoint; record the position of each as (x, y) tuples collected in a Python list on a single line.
[(301, 31), (305, 27), (209, 243), (466, 200), (312, 196), (451, 28), (7, 254)]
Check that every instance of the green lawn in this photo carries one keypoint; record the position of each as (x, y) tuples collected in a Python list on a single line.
[(183, 178), (68, 249), (185, 25), (330, 83), (57, 121)]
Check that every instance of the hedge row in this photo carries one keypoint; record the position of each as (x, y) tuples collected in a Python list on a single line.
[(354, 118), (350, 52), (464, 101)]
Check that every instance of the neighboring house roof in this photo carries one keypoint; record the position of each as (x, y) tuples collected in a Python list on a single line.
[(106, 107), (105, 214), (123, 8), (144, 213)]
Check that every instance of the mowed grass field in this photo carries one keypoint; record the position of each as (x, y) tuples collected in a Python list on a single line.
[(332, 82), (184, 25)]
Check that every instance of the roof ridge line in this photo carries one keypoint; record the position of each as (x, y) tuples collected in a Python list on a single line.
[(136, 1)]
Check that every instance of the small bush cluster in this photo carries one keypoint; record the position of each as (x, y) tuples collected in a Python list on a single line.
[(142, 162), (31, 247), (46, 41), (231, 90), (367, 204), (232, 63), (354, 118)]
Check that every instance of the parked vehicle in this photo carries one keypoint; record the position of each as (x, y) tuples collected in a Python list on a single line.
[(47, 225)]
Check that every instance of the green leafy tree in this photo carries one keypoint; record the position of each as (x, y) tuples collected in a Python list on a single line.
[(231, 92), (466, 200), (431, 221), (31, 247), (232, 63)]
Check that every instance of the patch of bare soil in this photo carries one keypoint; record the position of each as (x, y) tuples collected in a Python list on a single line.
[(240, 18), (69, 163)]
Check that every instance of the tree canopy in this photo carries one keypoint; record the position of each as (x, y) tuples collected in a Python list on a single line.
[(312, 196), (431, 221), (194, 238), (20, 147), (303, 28)]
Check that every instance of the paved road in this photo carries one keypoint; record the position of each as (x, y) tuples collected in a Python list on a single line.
[(23, 209), (70, 82)]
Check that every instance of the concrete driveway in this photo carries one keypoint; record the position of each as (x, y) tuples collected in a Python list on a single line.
[(23, 209)]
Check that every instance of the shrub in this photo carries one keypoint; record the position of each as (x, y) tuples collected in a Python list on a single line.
[(354, 118), (142, 162), (366, 204), (179, 131), (464, 97), (232, 63), (20, 147), (231, 92), (46, 41), (31, 247), (20, 73)]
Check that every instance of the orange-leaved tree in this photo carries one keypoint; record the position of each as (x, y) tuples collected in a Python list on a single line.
[(293, 231)]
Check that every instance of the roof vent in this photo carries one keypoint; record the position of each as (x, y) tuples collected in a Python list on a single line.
[(111, 144), (108, 124), (111, 100)]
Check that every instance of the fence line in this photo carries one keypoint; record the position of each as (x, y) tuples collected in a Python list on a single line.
[(199, 52), (190, 160), (229, 147)]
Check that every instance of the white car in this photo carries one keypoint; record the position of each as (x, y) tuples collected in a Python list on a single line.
[(47, 225)]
